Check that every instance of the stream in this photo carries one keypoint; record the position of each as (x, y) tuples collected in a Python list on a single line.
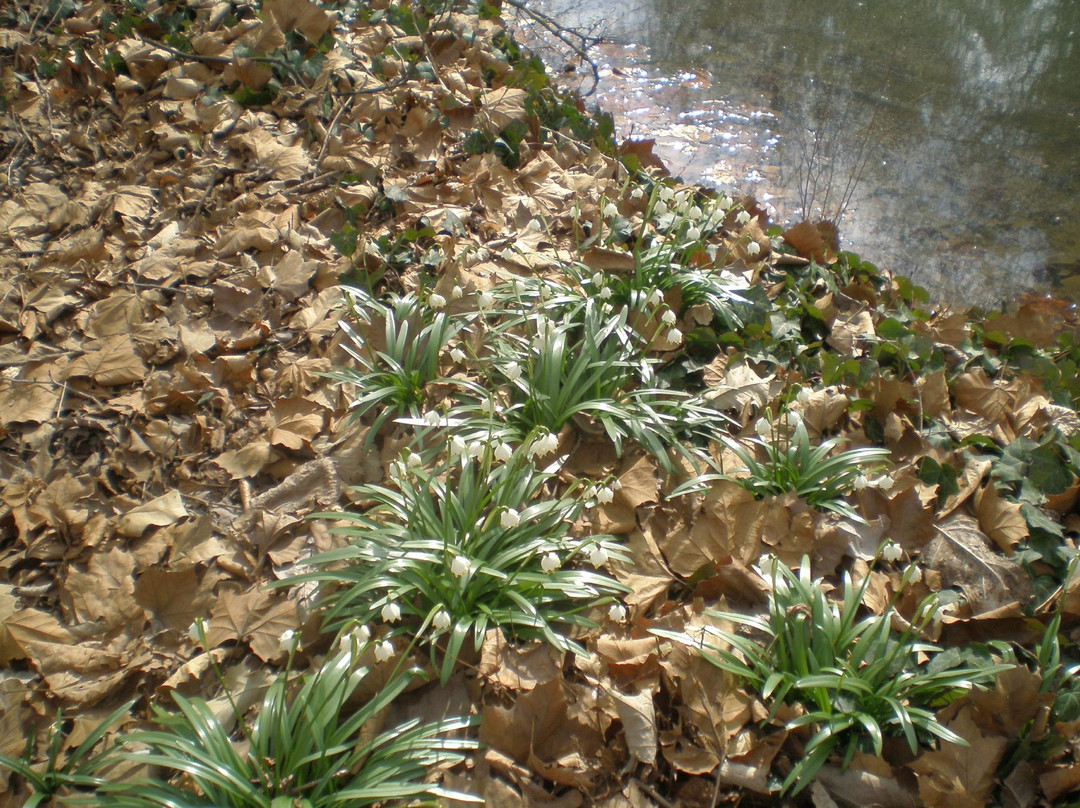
[(944, 135)]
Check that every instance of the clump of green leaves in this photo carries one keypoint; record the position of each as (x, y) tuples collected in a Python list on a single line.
[(310, 745), (858, 680), (392, 377), (473, 543), (66, 778), (792, 465)]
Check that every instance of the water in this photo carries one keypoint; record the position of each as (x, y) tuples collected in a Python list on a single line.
[(953, 125)]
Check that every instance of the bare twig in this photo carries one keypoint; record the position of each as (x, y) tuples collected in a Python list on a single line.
[(566, 36)]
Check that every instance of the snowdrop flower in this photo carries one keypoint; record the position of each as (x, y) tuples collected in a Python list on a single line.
[(457, 445), (503, 452), (637, 193), (695, 213), (753, 248), (804, 396), (611, 210), (693, 233), (457, 355), (674, 335), (860, 483), (605, 293), (396, 470), (457, 293), (682, 197), (660, 209), (485, 299), (413, 460), (743, 216), (460, 566), (436, 301), (507, 254), (195, 630), (547, 444), (475, 449), (891, 551), (534, 225), (669, 317), (441, 620), (513, 371), (432, 418), (358, 636), (884, 483), (520, 288), (605, 495), (794, 419), (666, 194), (598, 557), (617, 613), (384, 650), (912, 574), (510, 518), (288, 641), (656, 297), (763, 428), (616, 485), (550, 562), (597, 279), (487, 406), (391, 612)]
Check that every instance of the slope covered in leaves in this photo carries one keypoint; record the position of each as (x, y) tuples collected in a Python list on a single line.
[(185, 185)]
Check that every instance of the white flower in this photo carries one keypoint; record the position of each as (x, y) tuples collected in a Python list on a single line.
[(432, 418), (503, 452), (288, 641), (550, 562), (195, 630), (534, 225), (476, 448), (763, 428), (413, 460), (598, 557), (605, 495), (674, 335), (666, 194), (384, 650), (617, 613), (616, 485), (509, 518), (597, 278), (441, 620), (460, 566), (487, 406), (724, 202), (860, 483), (938, 614), (546, 445), (391, 612), (456, 293), (457, 355), (804, 396), (507, 254), (485, 299), (885, 482), (913, 574), (520, 288), (358, 636), (891, 551), (656, 297), (660, 208), (742, 217), (605, 293), (794, 419), (457, 444), (396, 470), (611, 209), (694, 213), (513, 371), (669, 317), (436, 301), (753, 248), (682, 197), (637, 193), (693, 233)]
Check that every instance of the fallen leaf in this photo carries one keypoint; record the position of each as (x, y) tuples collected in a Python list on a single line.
[(165, 510)]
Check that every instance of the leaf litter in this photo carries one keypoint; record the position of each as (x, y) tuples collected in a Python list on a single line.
[(174, 224)]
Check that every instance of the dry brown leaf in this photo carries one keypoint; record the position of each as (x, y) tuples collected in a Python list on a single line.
[(638, 716), (960, 776), (255, 617), (173, 597), (1000, 519), (109, 362), (165, 510)]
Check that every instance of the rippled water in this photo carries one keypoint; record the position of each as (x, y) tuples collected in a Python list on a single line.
[(954, 124)]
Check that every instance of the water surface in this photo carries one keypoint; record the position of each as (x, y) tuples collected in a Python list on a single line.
[(945, 134)]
